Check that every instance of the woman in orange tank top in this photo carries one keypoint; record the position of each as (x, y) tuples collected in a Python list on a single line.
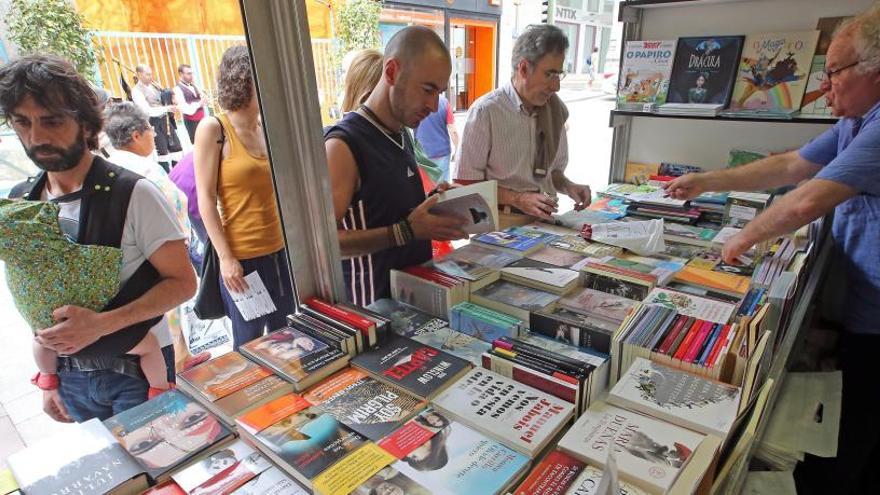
[(237, 198)]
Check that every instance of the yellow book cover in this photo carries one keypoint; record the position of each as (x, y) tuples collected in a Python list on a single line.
[(639, 173), (727, 282), (351, 472), (7, 482)]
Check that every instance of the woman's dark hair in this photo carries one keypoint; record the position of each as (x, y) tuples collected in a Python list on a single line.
[(54, 84), (235, 82), (437, 457), (421, 419)]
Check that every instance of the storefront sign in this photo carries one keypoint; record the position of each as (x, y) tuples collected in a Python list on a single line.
[(569, 14)]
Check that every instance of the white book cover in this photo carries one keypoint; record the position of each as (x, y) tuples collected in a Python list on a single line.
[(477, 202), (273, 481), (600, 304), (519, 416), (211, 464), (587, 483), (649, 452), (646, 69), (554, 277), (691, 305), (678, 397)]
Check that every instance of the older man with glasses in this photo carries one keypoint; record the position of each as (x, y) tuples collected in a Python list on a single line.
[(840, 173), (516, 133)]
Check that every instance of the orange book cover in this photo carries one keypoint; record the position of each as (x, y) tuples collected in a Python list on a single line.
[(333, 384), (272, 412), (713, 280), (640, 173), (224, 375)]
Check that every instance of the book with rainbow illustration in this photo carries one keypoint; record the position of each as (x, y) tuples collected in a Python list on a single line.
[(773, 71)]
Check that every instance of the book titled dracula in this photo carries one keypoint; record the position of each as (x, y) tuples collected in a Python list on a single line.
[(166, 432), (647, 66), (649, 453), (678, 397), (291, 352), (704, 70), (517, 415)]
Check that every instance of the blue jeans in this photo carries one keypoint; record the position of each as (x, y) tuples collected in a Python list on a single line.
[(104, 394), (276, 277), (443, 163)]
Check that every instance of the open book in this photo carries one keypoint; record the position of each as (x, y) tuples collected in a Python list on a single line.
[(477, 202)]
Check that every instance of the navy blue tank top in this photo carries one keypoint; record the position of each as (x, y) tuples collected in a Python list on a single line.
[(390, 188)]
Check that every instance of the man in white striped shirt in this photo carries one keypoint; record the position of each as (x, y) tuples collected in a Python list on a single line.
[(516, 133)]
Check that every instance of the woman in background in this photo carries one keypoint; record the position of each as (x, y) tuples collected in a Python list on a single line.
[(237, 199)]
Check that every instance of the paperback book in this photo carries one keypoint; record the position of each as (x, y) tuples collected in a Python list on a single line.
[(222, 470), (445, 457), (412, 366), (176, 427), (516, 240), (367, 406), (649, 453), (704, 69), (406, 320), (540, 275), (691, 305), (598, 304), (516, 415), (83, 459), (459, 344), (298, 357), (477, 203), (577, 329), (514, 299), (272, 481), (308, 442), (230, 385), (677, 397)]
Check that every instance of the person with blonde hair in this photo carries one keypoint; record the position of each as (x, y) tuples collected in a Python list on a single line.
[(362, 76)]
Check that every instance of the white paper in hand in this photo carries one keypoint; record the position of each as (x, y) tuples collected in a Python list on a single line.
[(255, 301), (610, 483)]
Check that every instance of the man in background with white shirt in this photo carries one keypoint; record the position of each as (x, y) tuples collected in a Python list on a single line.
[(189, 100), (148, 97), (516, 134)]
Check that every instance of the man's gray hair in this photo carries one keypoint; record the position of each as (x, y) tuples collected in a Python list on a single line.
[(122, 120), (536, 41), (865, 31)]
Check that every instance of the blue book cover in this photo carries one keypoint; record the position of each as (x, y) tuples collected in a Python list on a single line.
[(516, 238), (455, 460), (483, 328), (705, 69)]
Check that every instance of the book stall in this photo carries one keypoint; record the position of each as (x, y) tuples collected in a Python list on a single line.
[(613, 343)]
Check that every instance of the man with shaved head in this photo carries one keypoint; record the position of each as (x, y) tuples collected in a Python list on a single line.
[(839, 173), (381, 211)]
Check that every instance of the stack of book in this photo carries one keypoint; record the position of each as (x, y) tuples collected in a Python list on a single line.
[(516, 415), (542, 276), (711, 206), (428, 289), (412, 367), (654, 456), (613, 279), (688, 109), (474, 262), (562, 474), (231, 385), (688, 234), (515, 240), (570, 374), (368, 328), (483, 323), (301, 358), (516, 300)]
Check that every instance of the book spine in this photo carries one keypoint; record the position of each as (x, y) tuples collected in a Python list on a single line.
[(698, 342), (710, 344), (688, 339), (531, 377)]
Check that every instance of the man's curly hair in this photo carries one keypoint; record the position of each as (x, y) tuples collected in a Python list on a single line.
[(235, 84)]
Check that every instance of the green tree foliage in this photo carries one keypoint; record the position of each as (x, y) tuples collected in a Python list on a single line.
[(52, 26), (357, 26)]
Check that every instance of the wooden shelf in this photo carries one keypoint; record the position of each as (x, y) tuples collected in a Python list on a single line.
[(794, 120)]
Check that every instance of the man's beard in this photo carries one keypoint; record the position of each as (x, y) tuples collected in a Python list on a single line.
[(67, 157)]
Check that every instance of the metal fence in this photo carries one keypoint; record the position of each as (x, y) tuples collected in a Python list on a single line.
[(165, 52)]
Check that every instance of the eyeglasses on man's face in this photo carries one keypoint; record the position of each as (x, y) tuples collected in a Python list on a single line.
[(828, 75)]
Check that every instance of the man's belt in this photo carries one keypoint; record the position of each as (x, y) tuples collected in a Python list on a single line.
[(127, 365)]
